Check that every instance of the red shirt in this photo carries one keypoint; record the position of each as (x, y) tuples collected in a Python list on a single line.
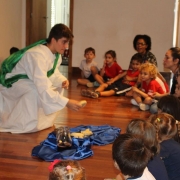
[(113, 71), (132, 74), (152, 87)]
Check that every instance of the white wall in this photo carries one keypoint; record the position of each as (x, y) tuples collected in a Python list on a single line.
[(12, 25), (113, 24)]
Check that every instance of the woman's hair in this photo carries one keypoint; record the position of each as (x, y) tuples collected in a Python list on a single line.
[(151, 68), (175, 53), (59, 31), (130, 154), (111, 52), (165, 125), (66, 170), (146, 38), (171, 105), (148, 131)]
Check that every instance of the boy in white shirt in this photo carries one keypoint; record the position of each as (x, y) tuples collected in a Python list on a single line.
[(89, 67)]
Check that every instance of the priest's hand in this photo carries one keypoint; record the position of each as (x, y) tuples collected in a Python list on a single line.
[(65, 84), (74, 105)]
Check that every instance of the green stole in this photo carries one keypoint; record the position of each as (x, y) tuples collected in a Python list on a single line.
[(10, 62)]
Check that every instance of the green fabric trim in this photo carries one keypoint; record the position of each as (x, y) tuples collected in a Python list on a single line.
[(51, 71), (9, 63)]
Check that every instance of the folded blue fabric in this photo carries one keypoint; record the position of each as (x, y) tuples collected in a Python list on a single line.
[(81, 148)]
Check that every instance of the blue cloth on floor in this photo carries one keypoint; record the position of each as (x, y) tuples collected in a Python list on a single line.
[(81, 148)]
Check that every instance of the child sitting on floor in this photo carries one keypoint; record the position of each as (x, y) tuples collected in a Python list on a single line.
[(131, 156), (149, 85), (66, 170), (89, 67), (148, 131), (110, 72), (121, 85), (166, 128)]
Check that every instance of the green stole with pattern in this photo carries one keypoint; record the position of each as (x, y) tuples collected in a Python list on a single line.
[(10, 62)]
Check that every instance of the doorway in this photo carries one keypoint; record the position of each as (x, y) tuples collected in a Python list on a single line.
[(41, 15)]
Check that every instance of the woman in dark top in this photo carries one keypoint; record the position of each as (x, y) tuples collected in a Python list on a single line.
[(142, 44)]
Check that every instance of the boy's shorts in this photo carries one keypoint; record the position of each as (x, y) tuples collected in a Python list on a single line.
[(91, 78), (119, 87)]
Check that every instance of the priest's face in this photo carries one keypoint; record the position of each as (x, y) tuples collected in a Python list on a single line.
[(60, 45)]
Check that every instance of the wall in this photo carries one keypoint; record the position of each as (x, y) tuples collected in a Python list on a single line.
[(113, 24), (12, 23)]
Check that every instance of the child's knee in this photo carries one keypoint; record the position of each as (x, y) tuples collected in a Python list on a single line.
[(148, 100), (94, 70)]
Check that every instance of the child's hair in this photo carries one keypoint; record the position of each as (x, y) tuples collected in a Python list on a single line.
[(112, 53), (175, 53), (89, 49), (130, 154), (148, 131), (171, 105), (59, 31), (66, 170), (165, 125), (137, 57), (13, 50), (150, 68), (146, 38)]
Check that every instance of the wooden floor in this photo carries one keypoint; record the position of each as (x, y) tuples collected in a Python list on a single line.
[(15, 149)]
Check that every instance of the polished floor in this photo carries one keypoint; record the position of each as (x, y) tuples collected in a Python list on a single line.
[(15, 149)]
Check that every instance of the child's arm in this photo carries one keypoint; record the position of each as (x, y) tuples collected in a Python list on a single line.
[(103, 69), (157, 95), (141, 93), (82, 75), (119, 76), (128, 78)]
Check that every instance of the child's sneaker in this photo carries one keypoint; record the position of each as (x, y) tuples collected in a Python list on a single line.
[(96, 84), (92, 84), (134, 102), (143, 107), (89, 93)]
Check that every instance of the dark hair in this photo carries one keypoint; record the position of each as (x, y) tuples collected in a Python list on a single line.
[(171, 105), (112, 53), (175, 53), (89, 49), (148, 131), (13, 50), (58, 31), (146, 38), (137, 57), (130, 154)]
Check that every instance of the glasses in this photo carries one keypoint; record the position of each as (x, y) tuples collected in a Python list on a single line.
[(142, 44)]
